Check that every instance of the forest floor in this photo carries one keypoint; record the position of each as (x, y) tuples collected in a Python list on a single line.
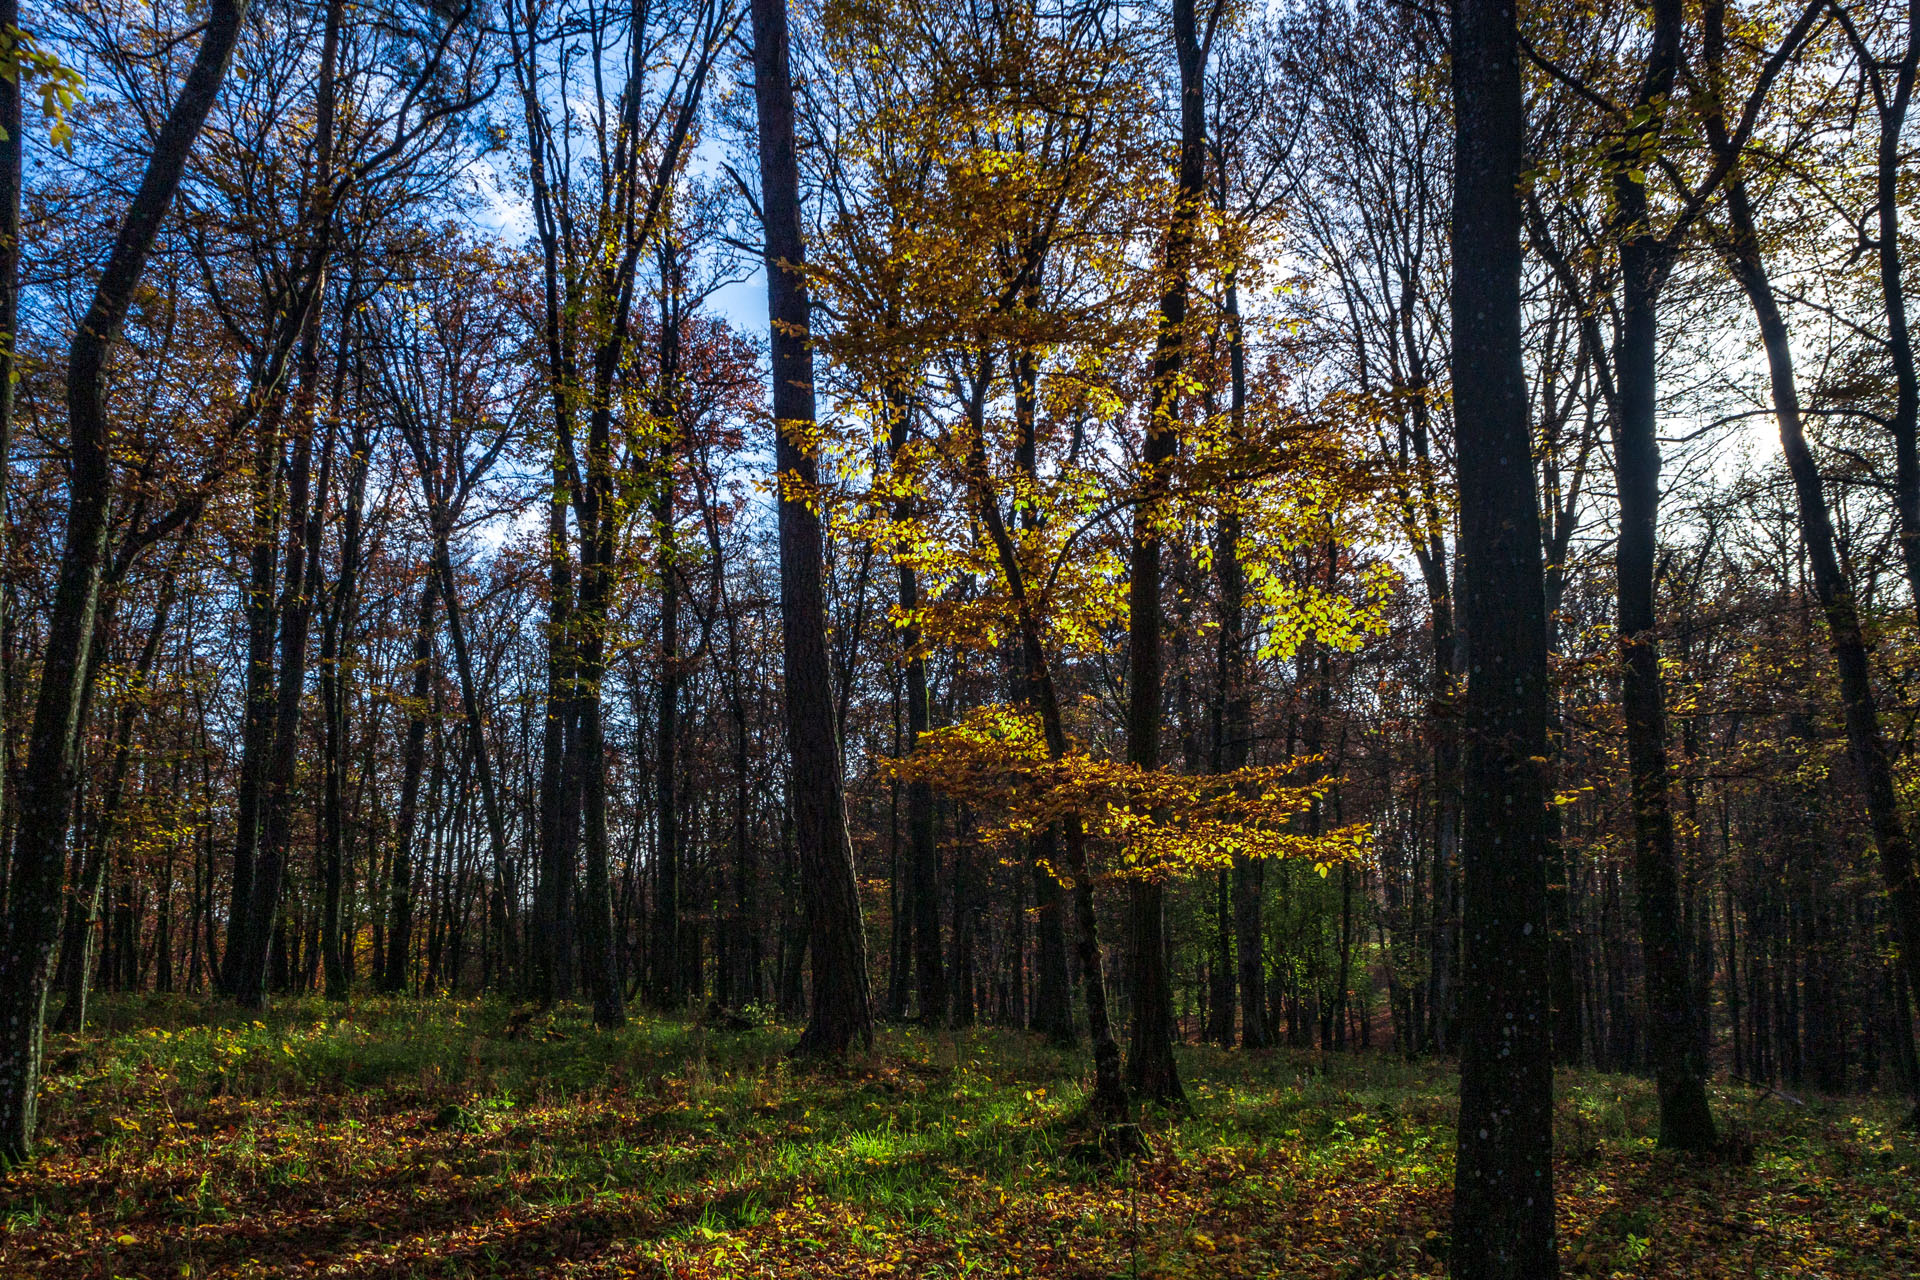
[(422, 1139)]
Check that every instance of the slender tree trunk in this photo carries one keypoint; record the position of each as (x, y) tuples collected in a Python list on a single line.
[(476, 734), (1685, 1119), (1052, 1006), (667, 966), (84, 916), (1905, 423), (1503, 1176), (335, 635), (256, 727), (12, 142), (1109, 1104), (923, 855), (302, 554), (559, 819), (1221, 973), (48, 781), (1233, 728), (399, 951), (296, 611), (842, 1014)]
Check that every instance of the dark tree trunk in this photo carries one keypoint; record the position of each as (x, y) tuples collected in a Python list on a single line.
[(1503, 1178), (1233, 726), (1888, 171), (304, 515), (1645, 259), (1151, 1069), (553, 915), (12, 141), (502, 890), (1220, 974), (335, 637), (256, 727), (83, 916), (48, 781), (296, 610), (923, 853), (600, 943), (1109, 1103), (399, 950), (667, 966), (923, 856), (842, 1014), (1051, 1012)]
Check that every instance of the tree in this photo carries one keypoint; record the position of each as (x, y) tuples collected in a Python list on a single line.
[(841, 1016), (1503, 1177), (46, 794), (1151, 1069)]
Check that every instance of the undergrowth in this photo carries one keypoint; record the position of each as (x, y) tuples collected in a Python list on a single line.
[(446, 1138)]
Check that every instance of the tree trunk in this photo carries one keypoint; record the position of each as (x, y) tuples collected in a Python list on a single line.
[(1888, 170), (1233, 725), (923, 855), (1151, 1069), (1503, 1177), (842, 1014), (48, 781), (295, 610), (335, 636), (256, 726), (1109, 1103), (477, 735), (553, 918), (399, 951), (12, 142), (1685, 1119), (76, 962), (667, 968)]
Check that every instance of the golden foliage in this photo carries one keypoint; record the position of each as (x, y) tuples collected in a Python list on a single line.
[(1148, 823)]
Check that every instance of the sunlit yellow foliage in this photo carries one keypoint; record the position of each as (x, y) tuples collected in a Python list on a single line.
[(1147, 824)]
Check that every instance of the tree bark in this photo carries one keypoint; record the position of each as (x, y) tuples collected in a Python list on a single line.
[(77, 951), (1905, 422), (667, 990), (1109, 1104), (841, 1015), (336, 635), (553, 915), (254, 944), (1503, 1177)]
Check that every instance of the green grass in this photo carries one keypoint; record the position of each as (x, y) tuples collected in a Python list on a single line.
[(398, 1138)]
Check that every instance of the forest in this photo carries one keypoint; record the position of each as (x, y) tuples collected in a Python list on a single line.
[(1086, 638)]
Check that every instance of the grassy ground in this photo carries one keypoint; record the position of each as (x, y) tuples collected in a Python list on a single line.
[(400, 1139)]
